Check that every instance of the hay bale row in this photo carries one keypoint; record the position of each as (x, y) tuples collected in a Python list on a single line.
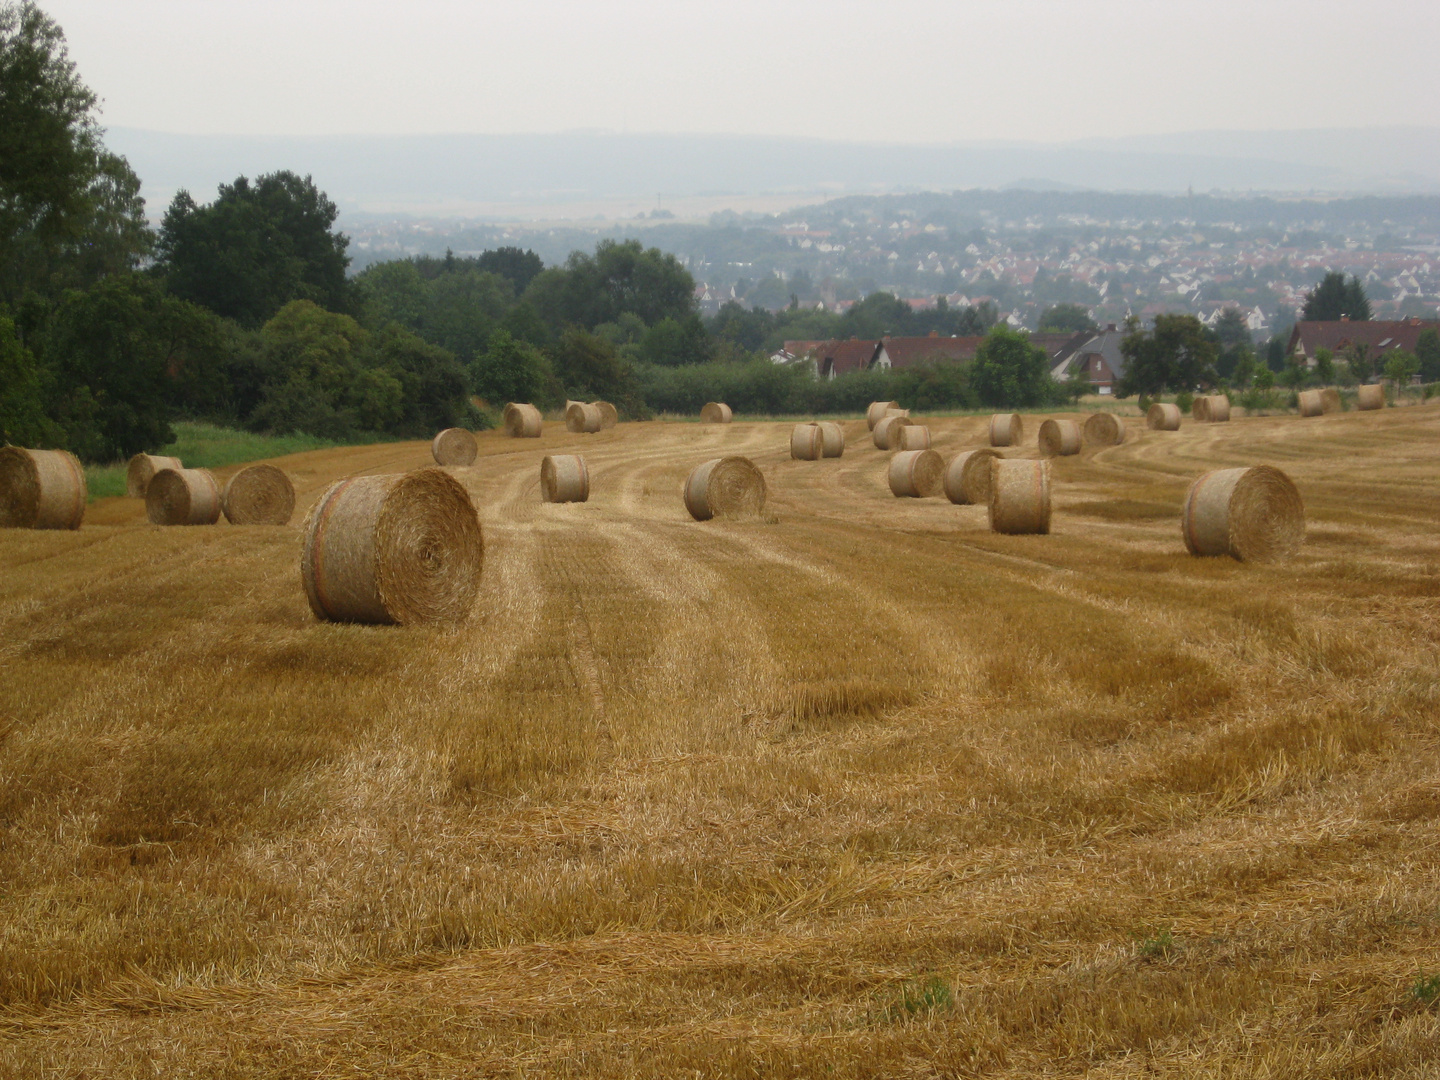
[(142, 468), (41, 489), (1371, 396), (393, 549), (967, 477), (454, 446), (1103, 429), (886, 435), (914, 437), (917, 474), (1019, 496), (1254, 515), (1163, 416), (725, 487), (583, 418), (1059, 438), (564, 478), (878, 410), (523, 421), (716, 412), (1006, 429), (807, 442), (182, 497), (1211, 408), (258, 495)]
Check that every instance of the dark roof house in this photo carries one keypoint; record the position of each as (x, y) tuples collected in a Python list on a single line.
[(1380, 336), (842, 357), (1099, 359)]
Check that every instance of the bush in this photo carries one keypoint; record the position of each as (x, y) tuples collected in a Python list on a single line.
[(1184, 400)]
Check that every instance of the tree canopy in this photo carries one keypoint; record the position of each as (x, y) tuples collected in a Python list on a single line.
[(256, 248), (1067, 319), (1335, 297), (1175, 355), (1009, 372)]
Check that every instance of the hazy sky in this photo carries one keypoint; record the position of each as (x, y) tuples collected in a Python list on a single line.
[(904, 71)]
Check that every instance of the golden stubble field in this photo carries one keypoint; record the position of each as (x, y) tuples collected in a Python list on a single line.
[(858, 790)]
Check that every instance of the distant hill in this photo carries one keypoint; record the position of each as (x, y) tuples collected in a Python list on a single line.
[(421, 173)]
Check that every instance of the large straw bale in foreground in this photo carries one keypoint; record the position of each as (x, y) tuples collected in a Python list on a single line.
[(583, 418), (41, 489), (1006, 429), (917, 474), (1255, 515), (886, 435), (140, 470), (967, 477), (1330, 401), (609, 415), (259, 495), (1059, 438), (1103, 429), (807, 442), (1310, 403), (454, 446), (183, 497), (393, 549), (725, 487), (1371, 396), (834, 437), (716, 412), (1163, 416), (564, 478), (877, 410), (914, 437), (523, 421), (1019, 496)]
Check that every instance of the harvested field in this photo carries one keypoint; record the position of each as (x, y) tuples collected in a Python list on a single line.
[(855, 788)]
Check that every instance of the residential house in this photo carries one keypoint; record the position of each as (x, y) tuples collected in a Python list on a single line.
[(905, 352), (1099, 359), (842, 357), (1380, 337)]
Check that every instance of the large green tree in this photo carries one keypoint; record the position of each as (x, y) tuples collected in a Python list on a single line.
[(1427, 351), (1177, 354), (70, 211), (1067, 319), (621, 277), (1009, 372), (256, 248), (1334, 298)]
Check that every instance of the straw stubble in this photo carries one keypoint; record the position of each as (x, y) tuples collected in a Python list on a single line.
[(399, 549)]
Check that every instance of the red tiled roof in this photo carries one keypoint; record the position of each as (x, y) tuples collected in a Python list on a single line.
[(842, 357), (1380, 335), (908, 351)]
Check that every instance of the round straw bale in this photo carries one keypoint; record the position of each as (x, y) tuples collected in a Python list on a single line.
[(834, 437), (183, 497), (725, 487), (716, 412), (1163, 416), (1019, 496), (564, 478), (259, 495), (141, 468), (917, 474), (1006, 429), (914, 437), (454, 446), (807, 442), (1371, 396), (402, 548), (1103, 429), (1330, 401), (1310, 403), (1254, 514), (41, 489), (1197, 408), (582, 418), (609, 415), (886, 434), (523, 421), (1059, 438), (877, 410), (897, 411), (967, 477), (1217, 408)]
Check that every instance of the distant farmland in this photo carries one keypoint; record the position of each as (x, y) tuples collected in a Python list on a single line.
[(857, 789)]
